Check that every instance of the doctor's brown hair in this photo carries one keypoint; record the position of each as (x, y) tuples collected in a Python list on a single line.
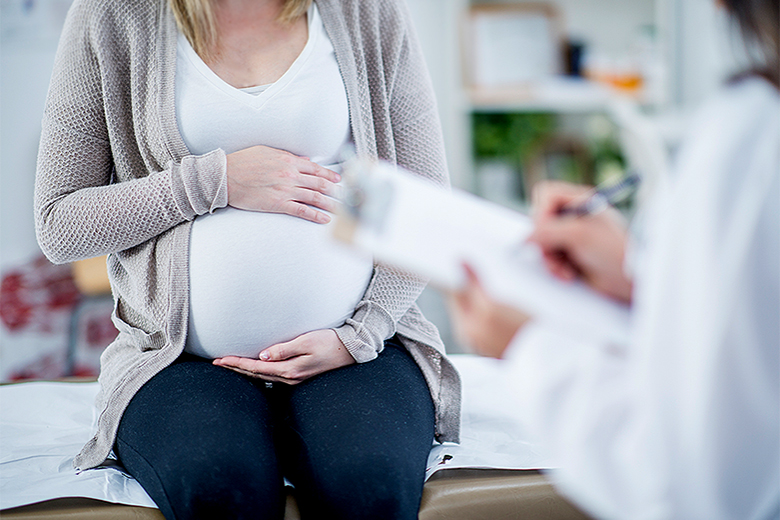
[(759, 21), (195, 19)]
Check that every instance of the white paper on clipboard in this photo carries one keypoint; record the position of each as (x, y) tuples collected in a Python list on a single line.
[(407, 221)]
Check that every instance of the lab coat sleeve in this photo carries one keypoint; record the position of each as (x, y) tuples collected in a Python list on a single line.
[(684, 422), (578, 399)]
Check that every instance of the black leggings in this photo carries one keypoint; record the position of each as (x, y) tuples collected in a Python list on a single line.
[(206, 442)]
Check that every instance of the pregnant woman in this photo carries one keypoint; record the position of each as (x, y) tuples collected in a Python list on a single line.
[(197, 142)]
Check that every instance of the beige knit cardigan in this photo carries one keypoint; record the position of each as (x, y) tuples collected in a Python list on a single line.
[(114, 176)]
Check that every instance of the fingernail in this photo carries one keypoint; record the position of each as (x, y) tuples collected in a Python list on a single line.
[(265, 356), (323, 219), (338, 177)]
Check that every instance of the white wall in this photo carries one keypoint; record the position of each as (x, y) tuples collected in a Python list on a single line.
[(29, 30), (28, 40), (702, 49)]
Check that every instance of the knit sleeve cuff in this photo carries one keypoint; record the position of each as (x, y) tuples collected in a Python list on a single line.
[(364, 334), (199, 183)]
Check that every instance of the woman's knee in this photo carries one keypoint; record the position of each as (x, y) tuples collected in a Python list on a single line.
[(362, 453), (362, 483), (379, 502), (227, 484), (209, 479), (200, 441)]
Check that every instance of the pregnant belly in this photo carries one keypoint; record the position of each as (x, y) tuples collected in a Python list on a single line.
[(257, 279)]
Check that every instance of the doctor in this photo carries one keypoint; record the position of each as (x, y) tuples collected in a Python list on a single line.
[(685, 421)]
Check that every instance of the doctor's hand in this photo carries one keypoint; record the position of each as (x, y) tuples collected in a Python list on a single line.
[(265, 179), (482, 323), (294, 361), (590, 247)]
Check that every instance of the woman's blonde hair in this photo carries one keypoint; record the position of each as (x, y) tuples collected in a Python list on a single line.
[(195, 19)]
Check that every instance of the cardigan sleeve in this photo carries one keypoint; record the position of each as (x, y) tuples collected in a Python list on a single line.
[(419, 148), (81, 210)]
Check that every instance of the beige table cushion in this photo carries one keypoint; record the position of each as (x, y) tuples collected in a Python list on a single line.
[(450, 494)]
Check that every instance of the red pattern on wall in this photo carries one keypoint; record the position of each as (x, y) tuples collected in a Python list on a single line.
[(31, 293), (58, 331)]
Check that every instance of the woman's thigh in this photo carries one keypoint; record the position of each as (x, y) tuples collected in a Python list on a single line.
[(199, 439), (359, 438)]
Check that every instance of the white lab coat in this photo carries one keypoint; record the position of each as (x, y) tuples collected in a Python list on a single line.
[(683, 423)]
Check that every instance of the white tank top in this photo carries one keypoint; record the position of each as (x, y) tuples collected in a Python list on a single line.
[(257, 279)]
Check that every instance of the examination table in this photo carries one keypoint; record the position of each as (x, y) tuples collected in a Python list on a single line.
[(490, 475)]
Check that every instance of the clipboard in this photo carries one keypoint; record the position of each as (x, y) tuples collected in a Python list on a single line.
[(409, 222)]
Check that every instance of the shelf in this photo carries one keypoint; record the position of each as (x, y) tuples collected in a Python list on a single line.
[(558, 94)]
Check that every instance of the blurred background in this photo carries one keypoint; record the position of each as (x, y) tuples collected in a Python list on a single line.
[(581, 90)]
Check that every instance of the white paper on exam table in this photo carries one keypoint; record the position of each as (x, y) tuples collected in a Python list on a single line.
[(43, 425), (492, 435), (409, 222)]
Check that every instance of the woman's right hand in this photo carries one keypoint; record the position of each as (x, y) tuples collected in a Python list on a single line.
[(590, 247), (266, 179)]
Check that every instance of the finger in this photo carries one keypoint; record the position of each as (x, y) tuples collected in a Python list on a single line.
[(557, 236), (296, 209), (317, 184), (460, 303), (269, 371), (284, 351), (243, 363), (561, 242), (549, 197), (559, 265), (288, 371), (263, 377), (244, 372), (479, 296), (313, 198), (471, 275), (312, 168), (551, 205), (562, 270)]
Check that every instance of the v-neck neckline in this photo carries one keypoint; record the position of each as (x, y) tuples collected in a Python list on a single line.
[(259, 99)]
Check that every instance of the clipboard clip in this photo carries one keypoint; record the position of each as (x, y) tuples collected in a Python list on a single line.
[(365, 197)]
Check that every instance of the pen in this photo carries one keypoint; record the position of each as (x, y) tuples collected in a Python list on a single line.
[(601, 197)]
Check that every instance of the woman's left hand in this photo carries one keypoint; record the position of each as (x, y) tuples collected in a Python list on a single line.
[(485, 325), (294, 361)]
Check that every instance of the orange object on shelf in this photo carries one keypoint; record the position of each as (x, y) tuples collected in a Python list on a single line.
[(627, 82)]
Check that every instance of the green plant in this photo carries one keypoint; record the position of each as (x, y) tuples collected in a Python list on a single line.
[(534, 146), (513, 137)]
